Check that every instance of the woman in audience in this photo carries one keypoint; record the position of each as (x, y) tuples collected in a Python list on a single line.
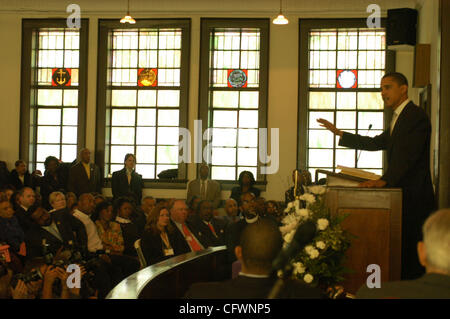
[(246, 182), (124, 211), (160, 240), (127, 182), (57, 201), (52, 181), (109, 231)]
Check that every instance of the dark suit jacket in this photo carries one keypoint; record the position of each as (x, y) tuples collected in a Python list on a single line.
[(196, 233), (212, 191), (79, 182), (408, 167), (152, 246), (120, 186), (207, 237), (250, 288), (49, 185), (29, 180), (430, 286), (69, 228)]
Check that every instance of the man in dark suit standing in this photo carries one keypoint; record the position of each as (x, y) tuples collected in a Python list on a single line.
[(433, 255), (204, 188), (85, 177), (407, 142), (127, 182), (259, 246)]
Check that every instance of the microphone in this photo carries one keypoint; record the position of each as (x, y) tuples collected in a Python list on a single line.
[(303, 235), (357, 159)]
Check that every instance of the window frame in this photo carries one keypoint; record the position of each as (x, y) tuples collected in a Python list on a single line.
[(206, 24), (305, 26), (104, 27), (28, 109)]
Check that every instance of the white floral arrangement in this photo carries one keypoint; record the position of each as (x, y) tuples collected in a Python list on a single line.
[(320, 262)]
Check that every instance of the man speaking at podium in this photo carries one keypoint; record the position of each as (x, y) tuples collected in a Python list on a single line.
[(407, 143)]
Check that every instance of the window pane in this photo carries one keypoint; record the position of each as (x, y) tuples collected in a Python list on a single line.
[(224, 118), (146, 98), (70, 116), (46, 150), (49, 97), (146, 117), (223, 173), (346, 100), (225, 99), (145, 135), (246, 168), (345, 158), (320, 139), (168, 117), (167, 154), (370, 100), (247, 156), (122, 135), (224, 156), (249, 100), (346, 120), (248, 119), (248, 137), (118, 153), (147, 171), (69, 153), (321, 158), (168, 135), (370, 159), (69, 135), (123, 117), (123, 98), (313, 116), (49, 116), (145, 154), (168, 98), (224, 137), (367, 118), (48, 134), (322, 100)]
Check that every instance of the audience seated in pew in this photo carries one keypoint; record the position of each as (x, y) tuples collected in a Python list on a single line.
[(212, 228), (259, 245)]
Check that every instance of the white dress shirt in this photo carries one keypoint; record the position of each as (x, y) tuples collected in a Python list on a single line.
[(94, 241), (396, 114)]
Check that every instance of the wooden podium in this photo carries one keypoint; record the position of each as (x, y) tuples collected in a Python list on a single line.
[(375, 217)]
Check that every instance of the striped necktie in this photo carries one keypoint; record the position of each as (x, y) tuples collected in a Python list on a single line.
[(195, 246)]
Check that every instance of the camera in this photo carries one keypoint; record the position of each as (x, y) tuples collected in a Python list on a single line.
[(34, 275)]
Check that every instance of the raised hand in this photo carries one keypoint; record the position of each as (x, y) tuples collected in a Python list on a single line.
[(329, 126)]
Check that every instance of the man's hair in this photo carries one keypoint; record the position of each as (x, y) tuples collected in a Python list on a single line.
[(146, 197), (129, 155), (22, 190), (397, 77), (261, 242), (18, 162), (436, 236), (50, 159), (172, 203)]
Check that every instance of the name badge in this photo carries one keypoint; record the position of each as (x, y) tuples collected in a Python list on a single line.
[(168, 252)]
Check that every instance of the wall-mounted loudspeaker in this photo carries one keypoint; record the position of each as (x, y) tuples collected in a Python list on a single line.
[(401, 26)]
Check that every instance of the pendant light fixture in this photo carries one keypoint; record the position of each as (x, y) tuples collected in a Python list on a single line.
[(281, 19), (128, 18)]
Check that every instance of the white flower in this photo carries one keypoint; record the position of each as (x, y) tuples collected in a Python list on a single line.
[(280, 273), (320, 245), (297, 204), (312, 252), (309, 198), (316, 189), (290, 205), (303, 213), (322, 223), (298, 268), (288, 237), (308, 278)]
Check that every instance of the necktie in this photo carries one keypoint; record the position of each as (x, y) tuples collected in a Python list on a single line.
[(212, 229), (203, 190), (394, 119), (190, 239), (129, 178)]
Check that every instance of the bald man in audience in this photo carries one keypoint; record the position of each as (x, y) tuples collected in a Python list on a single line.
[(434, 255), (260, 244), (178, 214)]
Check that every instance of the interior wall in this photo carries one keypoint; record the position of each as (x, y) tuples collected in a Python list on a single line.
[(283, 62)]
